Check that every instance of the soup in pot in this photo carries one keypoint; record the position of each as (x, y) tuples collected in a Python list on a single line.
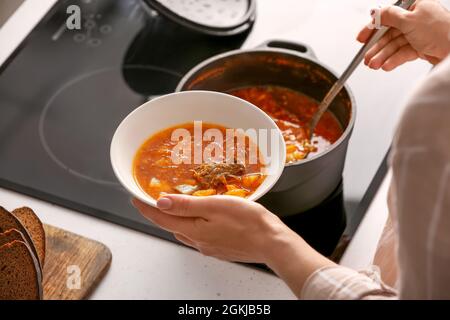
[(292, 111)]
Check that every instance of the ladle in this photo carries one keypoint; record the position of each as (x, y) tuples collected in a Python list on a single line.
[(339, 84)]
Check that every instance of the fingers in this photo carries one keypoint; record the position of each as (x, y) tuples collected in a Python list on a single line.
[(185, 206), (182, 206), (386, 52), (365, 34), (165, 221), (388, 37), (189, 206), (185, 240), (403, 55), (209, 252)]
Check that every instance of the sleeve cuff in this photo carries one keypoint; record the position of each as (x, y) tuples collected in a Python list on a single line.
[(340, 283)]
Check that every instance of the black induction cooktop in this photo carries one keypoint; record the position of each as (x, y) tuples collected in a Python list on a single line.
[(63, 93)]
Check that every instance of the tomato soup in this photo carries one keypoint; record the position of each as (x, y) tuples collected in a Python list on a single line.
[(292, 111), (158, 172)]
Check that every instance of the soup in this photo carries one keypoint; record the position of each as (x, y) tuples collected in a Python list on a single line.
[(292, 111), (159, 168)]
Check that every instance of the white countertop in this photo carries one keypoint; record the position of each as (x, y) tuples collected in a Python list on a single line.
[(146, 267)]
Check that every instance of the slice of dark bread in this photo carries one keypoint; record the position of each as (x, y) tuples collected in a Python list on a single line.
[(10, 236), (35, 228), (20, 277), (9, 221)]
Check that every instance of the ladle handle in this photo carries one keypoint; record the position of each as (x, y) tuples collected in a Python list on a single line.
[(339, 84)]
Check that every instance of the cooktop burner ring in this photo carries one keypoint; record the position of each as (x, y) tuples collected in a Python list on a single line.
[(91, 166)]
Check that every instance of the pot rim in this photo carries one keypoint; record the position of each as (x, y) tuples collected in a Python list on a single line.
[(351, 123)]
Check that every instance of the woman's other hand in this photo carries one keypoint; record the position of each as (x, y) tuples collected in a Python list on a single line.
[(422, 33)]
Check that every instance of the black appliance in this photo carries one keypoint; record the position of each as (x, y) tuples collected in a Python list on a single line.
[(63, 93)]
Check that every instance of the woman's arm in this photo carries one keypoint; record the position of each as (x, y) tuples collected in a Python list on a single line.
[(235, 229)]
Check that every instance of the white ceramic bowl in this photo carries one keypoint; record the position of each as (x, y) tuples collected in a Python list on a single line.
[(183, 107)]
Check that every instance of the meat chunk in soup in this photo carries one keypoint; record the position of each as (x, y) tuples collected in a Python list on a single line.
[(210, 175)]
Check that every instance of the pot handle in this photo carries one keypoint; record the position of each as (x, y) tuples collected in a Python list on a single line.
[(289, 45)]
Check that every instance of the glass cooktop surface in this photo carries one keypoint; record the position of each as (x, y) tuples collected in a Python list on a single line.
[(64, 92)]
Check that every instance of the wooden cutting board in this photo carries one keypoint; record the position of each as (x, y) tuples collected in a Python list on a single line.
[(74, 265)]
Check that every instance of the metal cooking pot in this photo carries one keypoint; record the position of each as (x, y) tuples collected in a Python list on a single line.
[(304, 184)]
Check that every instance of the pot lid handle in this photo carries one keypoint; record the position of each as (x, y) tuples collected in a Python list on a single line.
[(212, 17)]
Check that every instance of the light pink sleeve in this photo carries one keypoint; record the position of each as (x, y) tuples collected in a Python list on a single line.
[(339, 283), (421, 190), (419, 205)]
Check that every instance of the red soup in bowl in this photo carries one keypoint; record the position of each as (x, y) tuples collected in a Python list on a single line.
[(159, 171)]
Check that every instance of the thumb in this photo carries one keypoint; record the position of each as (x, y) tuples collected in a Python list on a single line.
[(186, 206), (394, 16)]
